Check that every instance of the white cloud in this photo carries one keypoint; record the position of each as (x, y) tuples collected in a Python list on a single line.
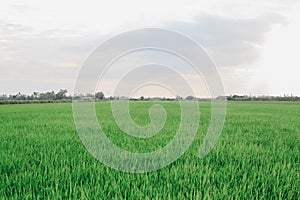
[(279, 69), (43, 43)]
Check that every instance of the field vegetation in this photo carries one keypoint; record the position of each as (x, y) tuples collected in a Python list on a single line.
[(257, 155)]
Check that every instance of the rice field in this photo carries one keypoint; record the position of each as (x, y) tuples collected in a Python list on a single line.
[(257, 155)]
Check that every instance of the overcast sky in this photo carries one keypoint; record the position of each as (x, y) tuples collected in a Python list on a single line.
[(254, 44)]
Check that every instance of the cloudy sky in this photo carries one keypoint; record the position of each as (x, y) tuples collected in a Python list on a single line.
[(254, 44)]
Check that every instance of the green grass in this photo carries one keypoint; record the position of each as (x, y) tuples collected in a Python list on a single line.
[(257, 155)]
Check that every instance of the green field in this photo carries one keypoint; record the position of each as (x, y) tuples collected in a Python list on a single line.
[(257, 155)]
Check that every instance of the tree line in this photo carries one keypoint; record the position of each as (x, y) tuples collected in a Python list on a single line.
[(62, 96), (285, 97)]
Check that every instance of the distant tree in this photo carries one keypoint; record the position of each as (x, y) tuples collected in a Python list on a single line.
[(142, 98), (3, 97), (47, 96), (99, 95), (12, 97), (29, 97), (61, 94), (35, 95), (21, 97), (189, 98)]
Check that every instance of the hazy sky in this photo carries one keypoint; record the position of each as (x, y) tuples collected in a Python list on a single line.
[(255, 44)]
